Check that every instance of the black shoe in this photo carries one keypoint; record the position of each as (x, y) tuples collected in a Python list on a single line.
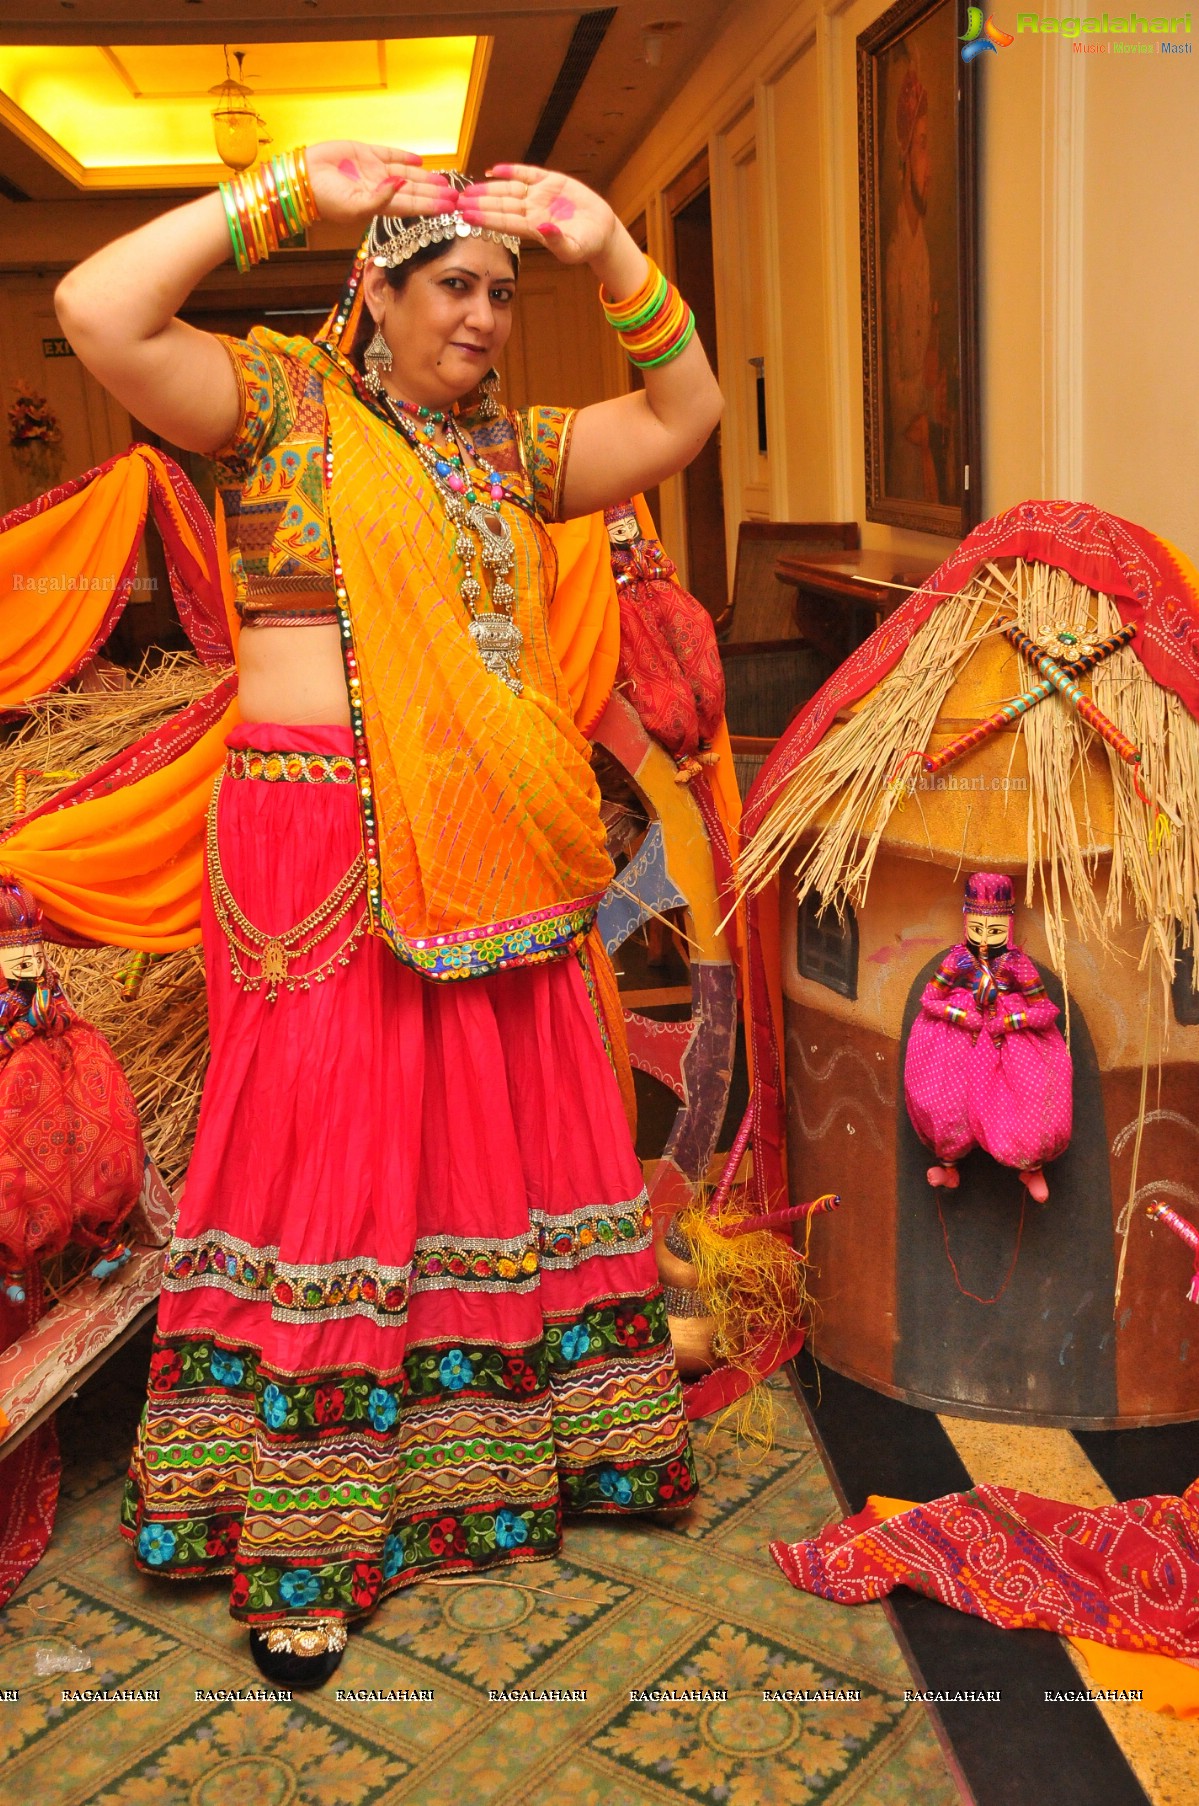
[(290, 1664)]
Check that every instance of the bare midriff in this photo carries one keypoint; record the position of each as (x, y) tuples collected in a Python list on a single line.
[(293, 675)]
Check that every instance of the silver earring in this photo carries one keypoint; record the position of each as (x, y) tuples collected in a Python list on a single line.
[(489, 407), (377, 358)]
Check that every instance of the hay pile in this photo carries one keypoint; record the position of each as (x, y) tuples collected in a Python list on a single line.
[(76, 730), (160, 1036)]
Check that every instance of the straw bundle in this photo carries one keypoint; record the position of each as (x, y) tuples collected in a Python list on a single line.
[(848, 773), (76, 730), (160, 1035), (753, 1284)]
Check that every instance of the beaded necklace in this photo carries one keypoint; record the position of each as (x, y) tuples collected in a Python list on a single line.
[(482, 534)]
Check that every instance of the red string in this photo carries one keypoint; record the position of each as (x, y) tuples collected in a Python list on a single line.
[(957, 1278)]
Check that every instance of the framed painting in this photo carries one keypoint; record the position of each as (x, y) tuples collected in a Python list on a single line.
[(917, 171)]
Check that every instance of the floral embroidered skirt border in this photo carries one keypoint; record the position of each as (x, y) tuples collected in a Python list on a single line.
[(410, 1312)]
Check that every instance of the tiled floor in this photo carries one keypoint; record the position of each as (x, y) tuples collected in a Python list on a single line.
[(699, 1606)]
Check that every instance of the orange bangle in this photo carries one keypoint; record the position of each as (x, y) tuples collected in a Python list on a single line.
[(278, 218), (251, 223)]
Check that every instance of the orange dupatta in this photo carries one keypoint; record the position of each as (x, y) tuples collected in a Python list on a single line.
[(484, 843), (118, 857)]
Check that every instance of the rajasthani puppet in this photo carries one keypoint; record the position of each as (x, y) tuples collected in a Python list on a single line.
[(71, 1156), (986, 1063), (669, 665)]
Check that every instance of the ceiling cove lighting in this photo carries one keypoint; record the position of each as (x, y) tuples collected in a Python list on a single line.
[(132, 116)]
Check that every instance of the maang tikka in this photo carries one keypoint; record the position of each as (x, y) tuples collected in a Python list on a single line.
[(378, 360)]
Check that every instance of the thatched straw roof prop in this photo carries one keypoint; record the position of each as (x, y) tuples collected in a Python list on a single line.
[(830, 814), (1109, 760)]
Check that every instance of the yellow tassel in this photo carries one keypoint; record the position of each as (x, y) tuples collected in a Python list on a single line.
[(753, 1284), (751, 1420)]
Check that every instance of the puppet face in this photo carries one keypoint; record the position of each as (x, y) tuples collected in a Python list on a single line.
[(987, 933), (22, 964), (624, 530)]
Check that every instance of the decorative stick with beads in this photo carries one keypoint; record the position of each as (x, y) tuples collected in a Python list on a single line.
[(1008, 712)]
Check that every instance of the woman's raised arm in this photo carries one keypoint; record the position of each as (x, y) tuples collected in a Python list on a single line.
[(118, 308), (623, 446)]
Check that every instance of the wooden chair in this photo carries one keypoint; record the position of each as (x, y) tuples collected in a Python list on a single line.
[(768, 671)]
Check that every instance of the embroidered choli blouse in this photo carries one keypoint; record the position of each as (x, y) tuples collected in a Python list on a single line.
[(272, 483)]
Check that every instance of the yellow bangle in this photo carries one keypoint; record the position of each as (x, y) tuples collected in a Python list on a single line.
[(263, 208), (309, 199), (250, 215)]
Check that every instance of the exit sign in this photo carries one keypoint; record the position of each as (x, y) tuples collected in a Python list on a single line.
[(56, 348)]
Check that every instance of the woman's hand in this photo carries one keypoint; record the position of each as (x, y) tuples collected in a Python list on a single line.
[(540, 204), (626, 445), (119, 306), (352, 182)]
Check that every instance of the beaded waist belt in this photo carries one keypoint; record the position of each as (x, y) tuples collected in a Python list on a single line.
[(290, 767)]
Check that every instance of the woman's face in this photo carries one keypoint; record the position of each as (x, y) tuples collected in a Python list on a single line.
[(448, 323)]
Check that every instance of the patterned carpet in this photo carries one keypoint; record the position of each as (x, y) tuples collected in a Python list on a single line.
[(695, 1607)]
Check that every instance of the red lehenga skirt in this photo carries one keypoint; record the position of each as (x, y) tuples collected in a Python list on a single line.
[(410, 1312)]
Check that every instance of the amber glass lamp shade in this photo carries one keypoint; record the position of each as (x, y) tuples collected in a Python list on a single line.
[(235, 129)]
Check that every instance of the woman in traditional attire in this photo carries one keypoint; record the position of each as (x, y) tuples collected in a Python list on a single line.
[(986, 1063), (410, 1312)]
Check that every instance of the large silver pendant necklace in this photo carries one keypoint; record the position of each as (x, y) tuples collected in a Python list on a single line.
[(484, 538)]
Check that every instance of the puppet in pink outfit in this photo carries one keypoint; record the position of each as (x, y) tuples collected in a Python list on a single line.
[(986, 1063)]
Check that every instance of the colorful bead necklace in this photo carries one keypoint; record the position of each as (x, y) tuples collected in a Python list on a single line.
[(482, 534)]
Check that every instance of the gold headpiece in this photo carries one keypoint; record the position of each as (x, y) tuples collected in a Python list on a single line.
[(390, 243)]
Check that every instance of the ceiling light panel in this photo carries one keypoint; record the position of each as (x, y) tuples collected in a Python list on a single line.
[(140, 115)]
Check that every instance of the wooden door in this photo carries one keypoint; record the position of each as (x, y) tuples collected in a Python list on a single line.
[(703, 487)]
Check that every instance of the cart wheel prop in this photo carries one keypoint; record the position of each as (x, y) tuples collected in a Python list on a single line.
[(673, 868)]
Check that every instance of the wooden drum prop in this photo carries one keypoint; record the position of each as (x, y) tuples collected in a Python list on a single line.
[(671, 867)]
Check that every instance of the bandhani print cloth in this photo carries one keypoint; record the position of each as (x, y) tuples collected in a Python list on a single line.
[(29, 1480), (670, 667), (1124, 1575), (29, 1473)]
